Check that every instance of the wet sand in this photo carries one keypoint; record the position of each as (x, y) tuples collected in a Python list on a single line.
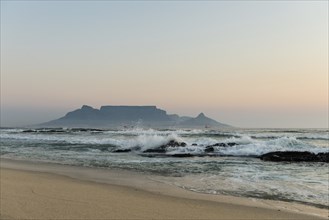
[(48, 191)]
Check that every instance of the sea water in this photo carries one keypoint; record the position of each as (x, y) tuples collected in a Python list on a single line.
[(234, 170)]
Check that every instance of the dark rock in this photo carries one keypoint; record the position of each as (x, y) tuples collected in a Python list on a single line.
[(229, 144), (323, 157), (54, 131), (217, 145), (86, 129), (295, 156), (79, 129), (29, 131), (45, 130), (121, 150), (182, 155), (174, 143), (209, 149), (194, 144), (163, 148)]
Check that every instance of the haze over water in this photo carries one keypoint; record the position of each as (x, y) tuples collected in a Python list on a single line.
[(244, 63)]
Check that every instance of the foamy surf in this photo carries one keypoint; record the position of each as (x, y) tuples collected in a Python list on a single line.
[(224, 162)]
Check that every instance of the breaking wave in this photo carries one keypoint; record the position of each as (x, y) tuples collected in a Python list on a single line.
[(225, 162), (141, 140)]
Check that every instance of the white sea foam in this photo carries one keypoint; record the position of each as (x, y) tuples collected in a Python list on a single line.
[(259, 147), (307, 182), (152, 141), (314, 136), (146, 139)]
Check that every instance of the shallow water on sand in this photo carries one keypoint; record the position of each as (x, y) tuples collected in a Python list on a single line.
[(234, 170)]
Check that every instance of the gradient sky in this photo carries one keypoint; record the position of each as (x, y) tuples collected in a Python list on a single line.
[(245, 63)]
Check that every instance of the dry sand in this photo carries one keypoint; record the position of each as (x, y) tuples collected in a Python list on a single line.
[(46, 191)]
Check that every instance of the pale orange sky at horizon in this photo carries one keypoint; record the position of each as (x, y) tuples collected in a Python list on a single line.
[(250, 64)]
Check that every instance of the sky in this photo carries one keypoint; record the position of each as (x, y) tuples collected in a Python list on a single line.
[(244, 63)]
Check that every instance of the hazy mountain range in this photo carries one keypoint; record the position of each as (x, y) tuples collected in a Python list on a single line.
[(127, 116)]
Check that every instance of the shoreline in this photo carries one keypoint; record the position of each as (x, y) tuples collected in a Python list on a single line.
[(131, 190)]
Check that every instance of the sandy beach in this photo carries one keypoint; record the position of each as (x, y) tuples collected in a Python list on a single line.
[(48, 191)]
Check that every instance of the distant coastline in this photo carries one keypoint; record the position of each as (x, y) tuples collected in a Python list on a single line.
[(129, 116)]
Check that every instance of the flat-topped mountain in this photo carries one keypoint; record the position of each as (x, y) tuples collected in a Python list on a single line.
[(118, 113), (117, 116)]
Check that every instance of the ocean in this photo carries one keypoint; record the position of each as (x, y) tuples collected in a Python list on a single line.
[(229, 169)]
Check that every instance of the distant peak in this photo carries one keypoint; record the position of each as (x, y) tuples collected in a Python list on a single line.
[(86, 107), (201, 115)]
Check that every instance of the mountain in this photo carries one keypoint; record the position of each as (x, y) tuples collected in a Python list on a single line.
[(202, 120), (127, 116)]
